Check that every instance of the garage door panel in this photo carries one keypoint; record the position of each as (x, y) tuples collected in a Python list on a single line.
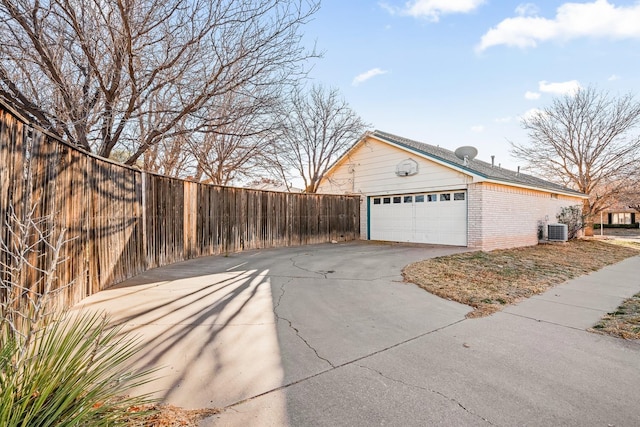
[(438, 222)]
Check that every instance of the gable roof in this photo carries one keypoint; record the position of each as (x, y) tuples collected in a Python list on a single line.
[(474, 167)]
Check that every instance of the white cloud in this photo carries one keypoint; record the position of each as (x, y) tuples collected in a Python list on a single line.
[(613, 77), (386, 6), (502, 119), (432, 9), (573, 20), (477, 128), (527, 9), (532, 95), (560, 88), (361, 78), (529, 114)]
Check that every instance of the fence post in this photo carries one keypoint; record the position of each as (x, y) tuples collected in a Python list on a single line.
[(144, 221)]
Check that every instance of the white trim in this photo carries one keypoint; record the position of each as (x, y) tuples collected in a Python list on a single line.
[(531, 187)]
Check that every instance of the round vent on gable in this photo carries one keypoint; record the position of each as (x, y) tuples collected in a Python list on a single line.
[(407, 168)]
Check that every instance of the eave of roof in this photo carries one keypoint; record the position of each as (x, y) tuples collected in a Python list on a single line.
[(478, 169)]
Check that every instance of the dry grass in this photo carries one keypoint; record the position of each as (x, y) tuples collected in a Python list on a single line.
[(172, 416), (624, 322), (488, 281)]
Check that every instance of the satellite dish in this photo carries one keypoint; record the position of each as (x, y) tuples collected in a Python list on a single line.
[(466, 153)]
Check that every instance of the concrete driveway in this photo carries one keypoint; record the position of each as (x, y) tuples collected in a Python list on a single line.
[(330, 335)]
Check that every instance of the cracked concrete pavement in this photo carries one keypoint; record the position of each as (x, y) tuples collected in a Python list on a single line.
[(330, 335)]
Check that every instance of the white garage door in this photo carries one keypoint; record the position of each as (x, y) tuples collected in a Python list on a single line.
[(438, 218)]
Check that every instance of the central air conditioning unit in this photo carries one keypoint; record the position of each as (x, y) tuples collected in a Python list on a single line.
[(557, 232)]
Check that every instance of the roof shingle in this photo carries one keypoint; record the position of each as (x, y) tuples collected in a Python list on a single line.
[(476, 166)]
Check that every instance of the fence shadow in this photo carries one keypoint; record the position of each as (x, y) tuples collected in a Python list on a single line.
[(203, 329)]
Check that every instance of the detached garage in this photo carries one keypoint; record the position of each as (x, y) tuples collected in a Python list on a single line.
[(416, 192)]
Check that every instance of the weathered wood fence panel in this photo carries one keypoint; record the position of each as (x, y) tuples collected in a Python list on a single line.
[(119, 221)]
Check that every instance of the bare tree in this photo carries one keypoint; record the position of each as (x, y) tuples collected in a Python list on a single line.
[(586, 141), (222, 159), (170, 157), (129, 74), (318, 126), (235, 146), (228, 147), (633, 199)]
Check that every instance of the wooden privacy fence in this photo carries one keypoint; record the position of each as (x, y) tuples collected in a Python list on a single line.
[(119, 221)]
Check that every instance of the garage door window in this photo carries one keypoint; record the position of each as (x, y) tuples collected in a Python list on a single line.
[(397, 199), (432, 198), (386, 200), (376, 201), (408, 199), (445, 197), (420, 198), (458, 196)]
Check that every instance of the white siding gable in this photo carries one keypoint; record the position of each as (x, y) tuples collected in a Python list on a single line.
[(370, 169)]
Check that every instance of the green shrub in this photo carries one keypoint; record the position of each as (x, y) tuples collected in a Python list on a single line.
[(69, 372), (56, 368)]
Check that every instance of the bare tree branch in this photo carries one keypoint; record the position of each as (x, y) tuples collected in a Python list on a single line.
[(587, 141), (31, 248), (317, 128), (124, 75)]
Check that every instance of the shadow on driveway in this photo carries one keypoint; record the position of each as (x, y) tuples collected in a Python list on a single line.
[(331, 335), (227, 329)]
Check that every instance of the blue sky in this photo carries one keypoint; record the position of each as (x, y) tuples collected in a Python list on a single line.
[(461, 72)]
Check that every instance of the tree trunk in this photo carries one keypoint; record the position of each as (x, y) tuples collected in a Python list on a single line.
[(588, 218)]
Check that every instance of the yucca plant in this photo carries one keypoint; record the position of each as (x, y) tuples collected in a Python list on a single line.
[(57, 368), (71, 374)]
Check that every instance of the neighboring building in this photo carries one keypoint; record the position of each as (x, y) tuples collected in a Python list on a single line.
[(619, 214), (415, 192), (268, 184)]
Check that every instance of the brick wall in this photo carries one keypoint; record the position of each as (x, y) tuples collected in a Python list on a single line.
[(474, 215), (502, 216)]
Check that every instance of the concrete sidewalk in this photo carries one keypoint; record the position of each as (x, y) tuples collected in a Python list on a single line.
[(581, 302)]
